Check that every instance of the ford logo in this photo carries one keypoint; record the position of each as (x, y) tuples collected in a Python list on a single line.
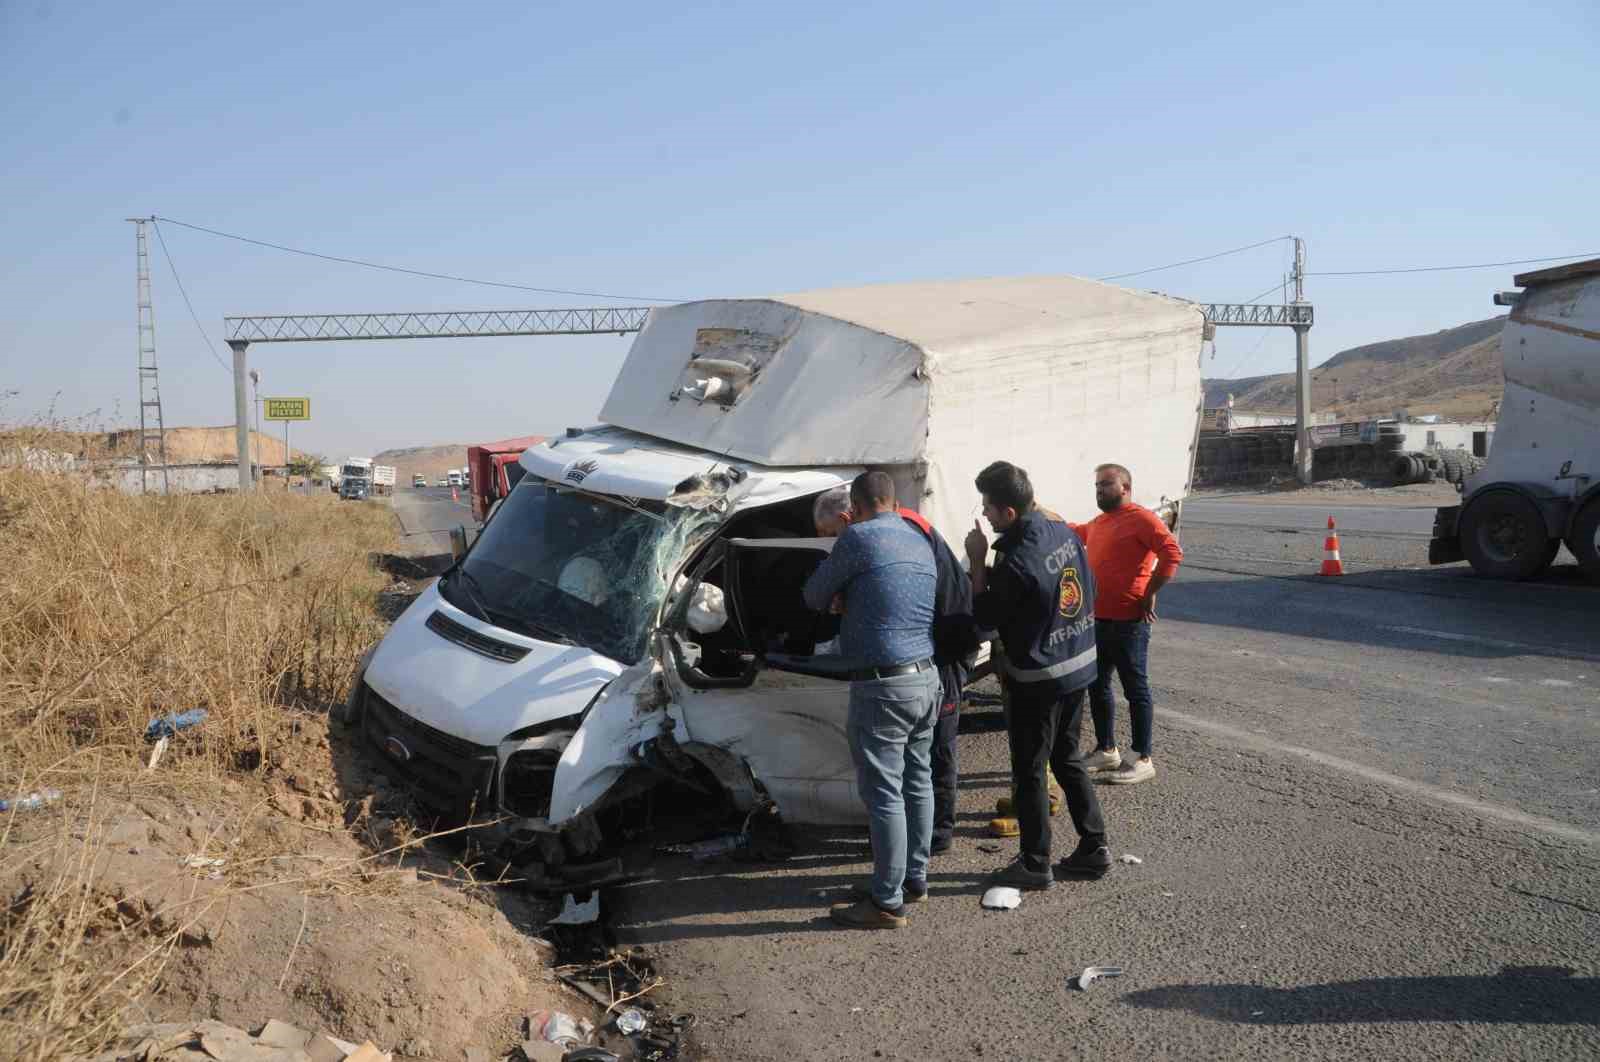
[(397, 748)]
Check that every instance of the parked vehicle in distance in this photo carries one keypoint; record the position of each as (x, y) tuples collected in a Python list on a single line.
[(355, 474), (493, 470), (1540, 486), (418, 481), (382, 479), (441, 482), (624, 633), (453, 477)]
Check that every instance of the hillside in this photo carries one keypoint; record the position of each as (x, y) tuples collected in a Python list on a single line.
[(185, 446), (430, 461), (1454, 372)]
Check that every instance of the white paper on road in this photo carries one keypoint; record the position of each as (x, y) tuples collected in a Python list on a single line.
[(1002, 898)]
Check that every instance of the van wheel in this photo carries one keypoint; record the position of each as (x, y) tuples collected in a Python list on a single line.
[(1504, 537), (1585, 539)]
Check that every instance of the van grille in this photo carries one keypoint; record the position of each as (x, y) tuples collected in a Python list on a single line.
[(447, 772), (467, 638)]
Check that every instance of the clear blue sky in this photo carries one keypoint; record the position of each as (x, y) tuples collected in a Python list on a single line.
[(671, 152)]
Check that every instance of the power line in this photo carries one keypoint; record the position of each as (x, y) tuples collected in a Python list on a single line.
[(1192, 261), (414, 272), (1445, 268), (192, 315)]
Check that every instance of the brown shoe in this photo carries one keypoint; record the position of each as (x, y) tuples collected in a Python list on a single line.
[(1007, 808), (864, 914)]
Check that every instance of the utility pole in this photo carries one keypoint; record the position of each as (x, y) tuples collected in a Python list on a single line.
[(241, 413), (1302, 371), (149, 387), (255, 391)]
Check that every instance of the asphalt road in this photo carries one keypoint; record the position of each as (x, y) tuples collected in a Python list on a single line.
[(427, 516), (1374, 832)]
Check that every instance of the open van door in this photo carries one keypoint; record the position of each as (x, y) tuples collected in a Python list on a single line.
[(770, 685)]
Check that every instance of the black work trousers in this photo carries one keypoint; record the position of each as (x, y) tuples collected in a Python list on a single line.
[(946, 771), (1042, 723)]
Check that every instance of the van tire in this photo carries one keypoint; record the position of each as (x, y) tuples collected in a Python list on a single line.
[(1504, 537), (1583, 540)]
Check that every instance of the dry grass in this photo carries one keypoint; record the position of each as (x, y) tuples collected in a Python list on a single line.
[(116, 609)]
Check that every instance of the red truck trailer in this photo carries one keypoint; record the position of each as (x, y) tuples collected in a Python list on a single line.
[(493, 471)]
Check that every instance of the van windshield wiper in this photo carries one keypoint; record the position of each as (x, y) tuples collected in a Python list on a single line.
[(474, 593)]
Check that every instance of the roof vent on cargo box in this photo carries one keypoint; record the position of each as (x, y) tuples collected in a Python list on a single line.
[(724, 364)]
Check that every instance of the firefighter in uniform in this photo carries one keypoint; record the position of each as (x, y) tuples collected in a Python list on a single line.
[(1039, 596)]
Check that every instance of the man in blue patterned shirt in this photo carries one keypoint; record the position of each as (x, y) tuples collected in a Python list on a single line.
[(881, 576)]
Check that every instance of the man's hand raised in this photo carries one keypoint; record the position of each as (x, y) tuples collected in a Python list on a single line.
[(977, 545)]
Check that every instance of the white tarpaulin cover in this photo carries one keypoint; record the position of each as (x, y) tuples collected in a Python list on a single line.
[(1054, 373)]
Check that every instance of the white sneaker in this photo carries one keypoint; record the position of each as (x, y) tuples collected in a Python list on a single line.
[(1133, 772), (1101, 760)]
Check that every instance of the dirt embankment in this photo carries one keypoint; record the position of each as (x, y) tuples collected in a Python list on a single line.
[(263, 867)]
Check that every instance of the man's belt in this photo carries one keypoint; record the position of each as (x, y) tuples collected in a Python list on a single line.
[(870, 673)]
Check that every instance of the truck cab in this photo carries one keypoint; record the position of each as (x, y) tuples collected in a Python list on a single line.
[(493, 469), (1540, 486)]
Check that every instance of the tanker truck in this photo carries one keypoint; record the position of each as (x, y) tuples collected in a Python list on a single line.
[(1541, 484)]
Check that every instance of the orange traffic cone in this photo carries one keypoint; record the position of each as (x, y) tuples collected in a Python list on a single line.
[(456, 497), (1331, 564)]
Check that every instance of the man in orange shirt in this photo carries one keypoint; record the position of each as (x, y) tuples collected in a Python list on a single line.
[(1125, 543)]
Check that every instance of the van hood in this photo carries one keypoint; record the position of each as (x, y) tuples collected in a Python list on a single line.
[(471, 696), (627, 464)]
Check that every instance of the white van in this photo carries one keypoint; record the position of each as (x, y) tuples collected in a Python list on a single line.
[(631, 615)]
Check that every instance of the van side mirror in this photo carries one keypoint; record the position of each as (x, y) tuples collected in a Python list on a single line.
[(458, 542)]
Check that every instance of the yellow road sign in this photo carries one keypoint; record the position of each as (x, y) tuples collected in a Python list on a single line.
[(287, 408)]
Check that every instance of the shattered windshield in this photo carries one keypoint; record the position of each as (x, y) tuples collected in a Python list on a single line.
[(563, 566)]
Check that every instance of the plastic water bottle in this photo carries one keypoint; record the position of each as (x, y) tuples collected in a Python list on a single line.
[(716, 846), (37, 799)]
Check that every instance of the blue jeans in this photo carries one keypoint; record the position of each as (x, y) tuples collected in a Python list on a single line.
[(1123, 647), (891, 742)]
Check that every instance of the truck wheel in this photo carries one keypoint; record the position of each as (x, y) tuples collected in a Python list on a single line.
[(1504, 537), (1585, 539)]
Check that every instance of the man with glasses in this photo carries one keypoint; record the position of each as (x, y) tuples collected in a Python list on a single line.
[(1133, 555)]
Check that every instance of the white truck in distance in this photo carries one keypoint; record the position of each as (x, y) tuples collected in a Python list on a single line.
[(453, 477), (1541, 484), (382, 479), (626, 631), (355, 477)]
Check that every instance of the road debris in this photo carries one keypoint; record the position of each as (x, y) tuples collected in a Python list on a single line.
[(212, 865), (1130, 859), (621, 984), (717, 847), (1002, 898), (1093, 973), (988, 846), (213, 1041), (562, 1028), (31, 801), (166, 726), (155, 754), (574, 913)]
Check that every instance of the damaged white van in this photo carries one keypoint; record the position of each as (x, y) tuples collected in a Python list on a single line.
[(630, 621)]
